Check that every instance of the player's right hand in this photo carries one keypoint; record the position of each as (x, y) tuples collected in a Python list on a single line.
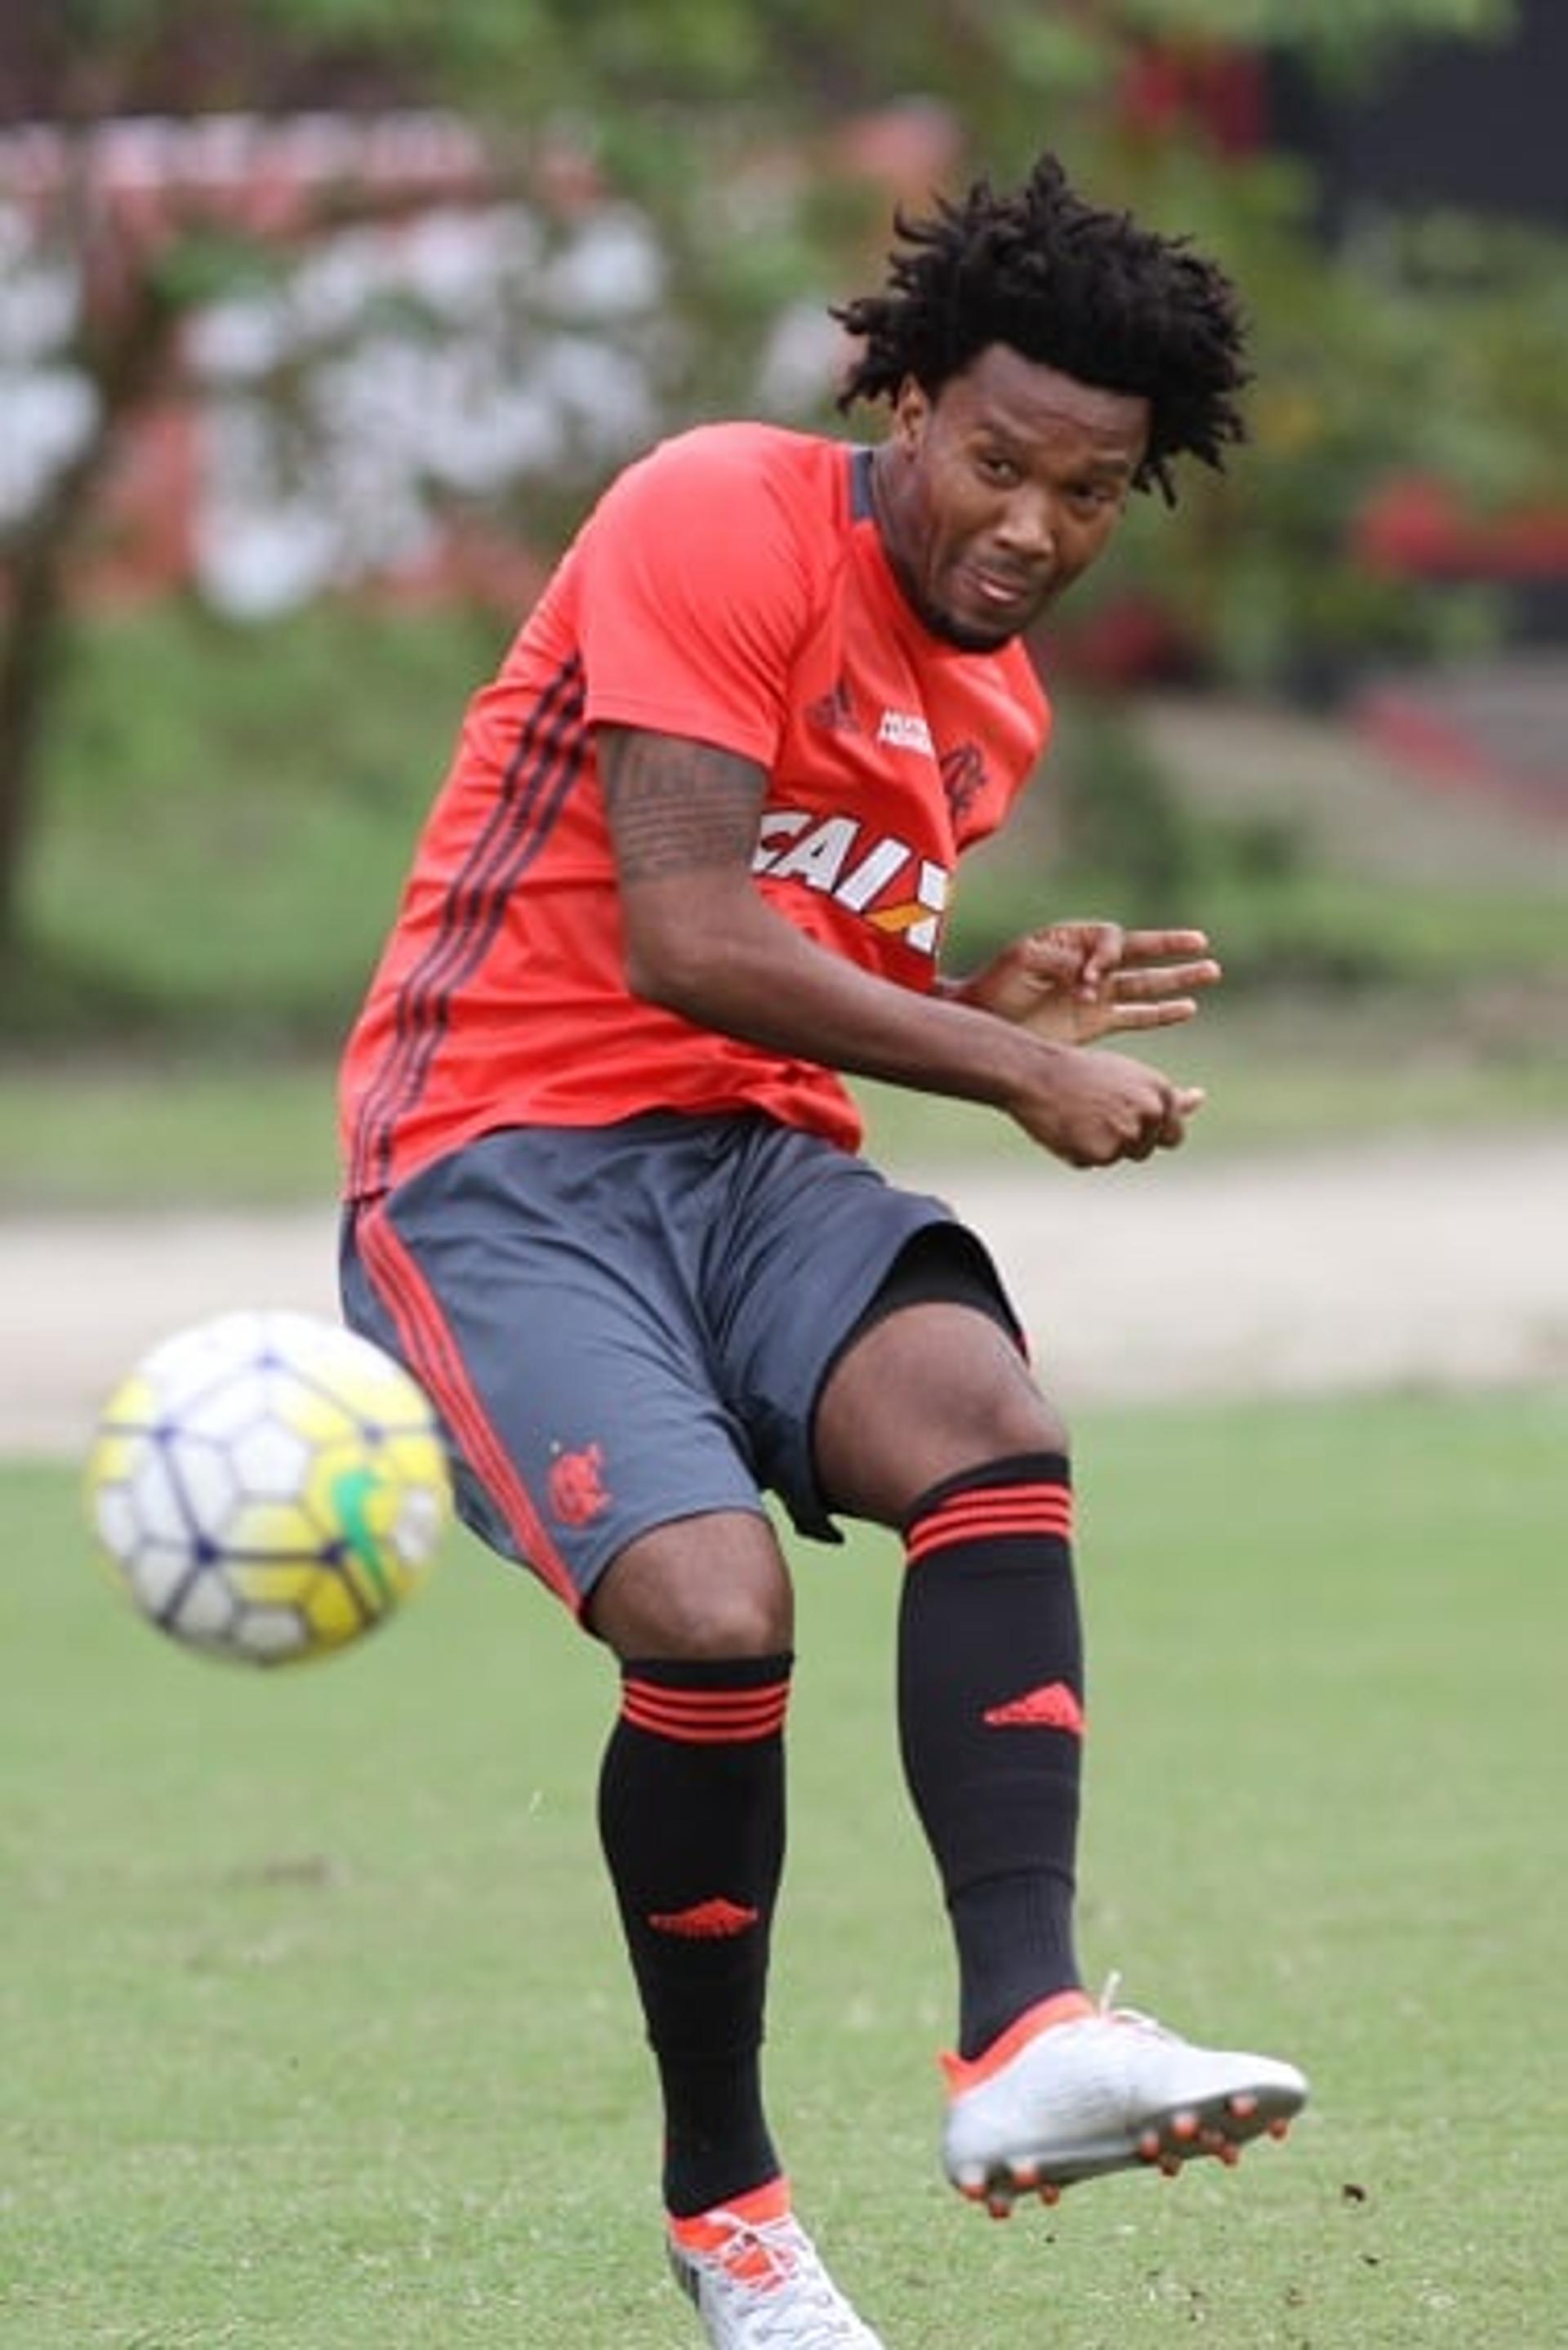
[(1092, 1108)]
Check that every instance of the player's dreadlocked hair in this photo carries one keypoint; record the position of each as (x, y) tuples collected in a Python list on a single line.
[(1074, 288)]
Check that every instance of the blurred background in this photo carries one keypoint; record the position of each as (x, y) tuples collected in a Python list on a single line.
[(322, 322)]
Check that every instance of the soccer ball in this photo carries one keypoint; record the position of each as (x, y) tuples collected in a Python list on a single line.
[(268, 1487)]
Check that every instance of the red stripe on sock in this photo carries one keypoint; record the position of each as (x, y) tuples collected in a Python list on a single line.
[(991, 1501), (975, 1525), (993, 1512), (706, 1717)]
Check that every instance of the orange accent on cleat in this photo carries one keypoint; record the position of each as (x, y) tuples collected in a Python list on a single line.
[(968, 2072), (706, 2231), (1243, 2106), (1184, 2125)]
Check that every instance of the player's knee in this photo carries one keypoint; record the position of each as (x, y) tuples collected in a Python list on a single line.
[(1002, 1420), (733, 1624), (687, 1592), (983, 1462), (697, 1626), (1041, 1428)]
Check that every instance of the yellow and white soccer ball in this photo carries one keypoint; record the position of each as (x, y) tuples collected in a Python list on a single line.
[(268, 1487)]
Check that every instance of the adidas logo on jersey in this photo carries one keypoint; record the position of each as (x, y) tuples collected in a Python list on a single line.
[(834, 711)]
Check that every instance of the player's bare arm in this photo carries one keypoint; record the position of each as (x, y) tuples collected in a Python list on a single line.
[(702, 940), (677, 809)]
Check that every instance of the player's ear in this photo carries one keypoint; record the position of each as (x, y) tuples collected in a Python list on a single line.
[(911, 413)]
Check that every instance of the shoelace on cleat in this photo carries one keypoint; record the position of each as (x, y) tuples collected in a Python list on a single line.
[(1134, 2018), (761, 2257), (765, 2259)]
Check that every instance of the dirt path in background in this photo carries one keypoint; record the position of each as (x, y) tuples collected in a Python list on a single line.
[(1438, 1263)]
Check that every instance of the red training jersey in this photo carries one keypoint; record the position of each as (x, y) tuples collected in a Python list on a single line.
[(731, 587)]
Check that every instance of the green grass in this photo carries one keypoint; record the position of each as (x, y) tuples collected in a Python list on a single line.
[(315, 2028), (136, 1133)]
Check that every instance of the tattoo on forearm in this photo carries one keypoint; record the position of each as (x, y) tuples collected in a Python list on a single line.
[(676, 806)]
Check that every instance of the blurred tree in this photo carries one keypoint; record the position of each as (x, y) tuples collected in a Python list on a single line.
[(762, 137)]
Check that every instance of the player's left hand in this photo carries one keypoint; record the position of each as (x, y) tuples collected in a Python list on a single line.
[(1074, 983)]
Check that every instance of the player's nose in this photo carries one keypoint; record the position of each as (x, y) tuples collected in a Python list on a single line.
[(1027, 529)]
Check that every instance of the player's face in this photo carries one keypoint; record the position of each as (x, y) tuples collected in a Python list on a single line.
[(1000, 492)]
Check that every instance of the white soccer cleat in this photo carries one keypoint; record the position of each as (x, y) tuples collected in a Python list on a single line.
[(758, 2283), (1103, 2089)]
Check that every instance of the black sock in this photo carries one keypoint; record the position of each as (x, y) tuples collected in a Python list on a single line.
[(691, 1816), (991, 1682)]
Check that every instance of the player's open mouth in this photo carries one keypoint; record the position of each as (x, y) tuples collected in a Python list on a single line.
[(1005, 591)]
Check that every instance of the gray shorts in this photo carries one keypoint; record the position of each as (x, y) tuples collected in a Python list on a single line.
[(624, 1325)]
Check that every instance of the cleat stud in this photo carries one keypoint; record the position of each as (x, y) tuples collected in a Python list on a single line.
[(1050, 2193), (1025, 2177), (1230, 2155), (999, 2206), (1280, 2129), (1184, 2127), (1245, 2105), (1169, 2165), (1148, 2147)]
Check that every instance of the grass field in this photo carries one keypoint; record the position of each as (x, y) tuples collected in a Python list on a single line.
[(315, 2026)]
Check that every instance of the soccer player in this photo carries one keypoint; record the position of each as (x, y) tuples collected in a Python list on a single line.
[(691, 865)]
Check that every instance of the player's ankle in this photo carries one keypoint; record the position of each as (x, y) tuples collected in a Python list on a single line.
[(754, 2207)]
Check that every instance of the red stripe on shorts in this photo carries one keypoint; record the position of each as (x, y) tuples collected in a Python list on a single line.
[(436, 1360)]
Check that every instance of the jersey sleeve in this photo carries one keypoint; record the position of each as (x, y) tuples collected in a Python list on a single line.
[(695, 594)]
